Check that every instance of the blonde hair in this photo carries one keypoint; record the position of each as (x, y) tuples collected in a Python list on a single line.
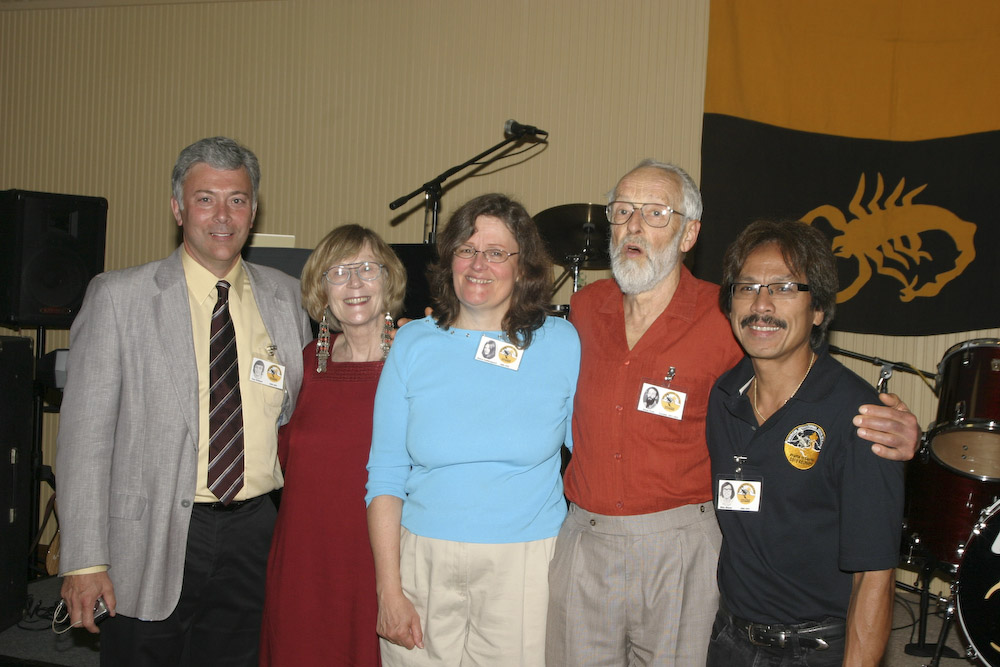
[(340, 244)]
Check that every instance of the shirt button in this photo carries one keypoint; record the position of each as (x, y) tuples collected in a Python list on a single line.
[(185, 503), (618, 456), (619, 504), (628, 361), (618, 408)]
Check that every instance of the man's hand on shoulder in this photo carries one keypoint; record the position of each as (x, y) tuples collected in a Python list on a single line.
[(403, 320), (892, 428)]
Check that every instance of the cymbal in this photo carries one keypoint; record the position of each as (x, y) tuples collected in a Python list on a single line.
[(576, 234)]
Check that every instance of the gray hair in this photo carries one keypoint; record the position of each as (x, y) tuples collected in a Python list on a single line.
[(217, 153), (691, 193)]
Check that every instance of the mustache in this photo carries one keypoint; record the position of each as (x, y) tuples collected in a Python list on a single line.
[(636, 240), (766, 320)]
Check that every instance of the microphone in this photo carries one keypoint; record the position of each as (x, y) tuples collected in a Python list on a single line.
[(514, 129)]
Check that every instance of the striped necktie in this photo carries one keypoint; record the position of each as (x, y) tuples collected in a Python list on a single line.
[(225, 416)]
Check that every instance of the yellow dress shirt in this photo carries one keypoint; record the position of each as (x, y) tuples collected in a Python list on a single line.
[(261, 403)]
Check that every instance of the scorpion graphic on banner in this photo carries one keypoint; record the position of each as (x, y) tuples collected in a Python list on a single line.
[(891, 231)]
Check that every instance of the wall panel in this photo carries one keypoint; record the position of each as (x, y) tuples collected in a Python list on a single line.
[(348, 104), (351, 104)]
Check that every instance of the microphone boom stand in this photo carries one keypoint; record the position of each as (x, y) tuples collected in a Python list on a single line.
[(432, 188), (887, 368)]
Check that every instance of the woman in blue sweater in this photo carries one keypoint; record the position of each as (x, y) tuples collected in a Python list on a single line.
[(464, 493)]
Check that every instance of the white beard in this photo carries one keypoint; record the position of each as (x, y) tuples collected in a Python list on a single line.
[(638, 276)]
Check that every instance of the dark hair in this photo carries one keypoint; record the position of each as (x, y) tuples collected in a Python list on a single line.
[(532, 295), (341, 243), (217, 153), (806, 251)]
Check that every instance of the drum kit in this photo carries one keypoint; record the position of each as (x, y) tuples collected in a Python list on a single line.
[(953, 500)]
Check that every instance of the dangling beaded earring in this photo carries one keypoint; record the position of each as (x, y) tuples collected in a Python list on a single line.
[(323, 343), (386, 336)]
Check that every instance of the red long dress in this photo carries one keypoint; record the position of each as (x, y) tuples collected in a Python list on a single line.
[(321, 607)]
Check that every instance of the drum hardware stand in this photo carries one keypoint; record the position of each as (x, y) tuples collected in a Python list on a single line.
[(942, 650), (921, 647), (884, 375), (574, 261)]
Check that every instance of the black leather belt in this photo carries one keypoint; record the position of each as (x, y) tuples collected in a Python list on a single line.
[(231, 507), (806, 635)]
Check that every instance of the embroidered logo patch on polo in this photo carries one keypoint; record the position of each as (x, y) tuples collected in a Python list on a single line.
[(803, 444)]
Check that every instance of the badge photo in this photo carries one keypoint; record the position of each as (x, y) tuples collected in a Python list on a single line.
[(498, 352), (738, 495), (661, 401), (267, 373)]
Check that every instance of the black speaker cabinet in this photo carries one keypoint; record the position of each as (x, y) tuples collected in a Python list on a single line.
[(417, 258), (52, 246), (16, 477)]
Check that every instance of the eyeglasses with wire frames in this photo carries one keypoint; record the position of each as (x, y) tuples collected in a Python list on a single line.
[(782, 290), (491, 255), (654, 215), (341, 274)]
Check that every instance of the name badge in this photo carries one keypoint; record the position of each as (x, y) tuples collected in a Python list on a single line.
[(661, 401), (499, 353), (268, 373), (738, 495)]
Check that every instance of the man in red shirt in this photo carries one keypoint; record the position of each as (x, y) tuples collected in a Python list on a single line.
[(633, 580)]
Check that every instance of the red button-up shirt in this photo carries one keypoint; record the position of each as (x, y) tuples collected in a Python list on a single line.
[(628, 462)]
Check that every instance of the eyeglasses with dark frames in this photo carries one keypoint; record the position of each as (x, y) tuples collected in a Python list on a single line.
[(782, 290)]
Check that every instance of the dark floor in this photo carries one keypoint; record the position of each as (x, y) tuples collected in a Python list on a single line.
[(32, 642)]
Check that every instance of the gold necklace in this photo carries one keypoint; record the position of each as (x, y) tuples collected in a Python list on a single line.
[(753, 402)]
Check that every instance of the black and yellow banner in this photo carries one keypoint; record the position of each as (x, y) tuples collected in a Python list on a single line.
[(878, 122)]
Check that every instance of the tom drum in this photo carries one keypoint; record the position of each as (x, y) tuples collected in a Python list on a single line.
[(966, 435)]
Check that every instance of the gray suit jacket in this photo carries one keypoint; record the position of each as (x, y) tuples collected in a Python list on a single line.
[(127, 457)]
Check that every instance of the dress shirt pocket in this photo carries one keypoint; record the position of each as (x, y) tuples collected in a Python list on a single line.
[(274, 398), (274, 372), (127, 507)]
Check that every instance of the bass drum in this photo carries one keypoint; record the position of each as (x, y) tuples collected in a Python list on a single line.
[(966, 435), (942, 507), (978, 588)]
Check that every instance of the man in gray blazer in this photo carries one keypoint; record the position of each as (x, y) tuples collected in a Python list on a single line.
[(180, 567)]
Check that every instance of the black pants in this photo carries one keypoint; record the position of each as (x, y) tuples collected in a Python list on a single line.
[(217, 619), (731, 648)]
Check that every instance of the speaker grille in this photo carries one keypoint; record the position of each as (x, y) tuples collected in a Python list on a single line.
[(53, 246)]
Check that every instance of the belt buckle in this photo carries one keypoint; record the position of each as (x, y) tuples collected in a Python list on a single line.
[(756, 630)]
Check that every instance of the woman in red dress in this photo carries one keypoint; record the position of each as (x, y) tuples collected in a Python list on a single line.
[(321, 607)]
